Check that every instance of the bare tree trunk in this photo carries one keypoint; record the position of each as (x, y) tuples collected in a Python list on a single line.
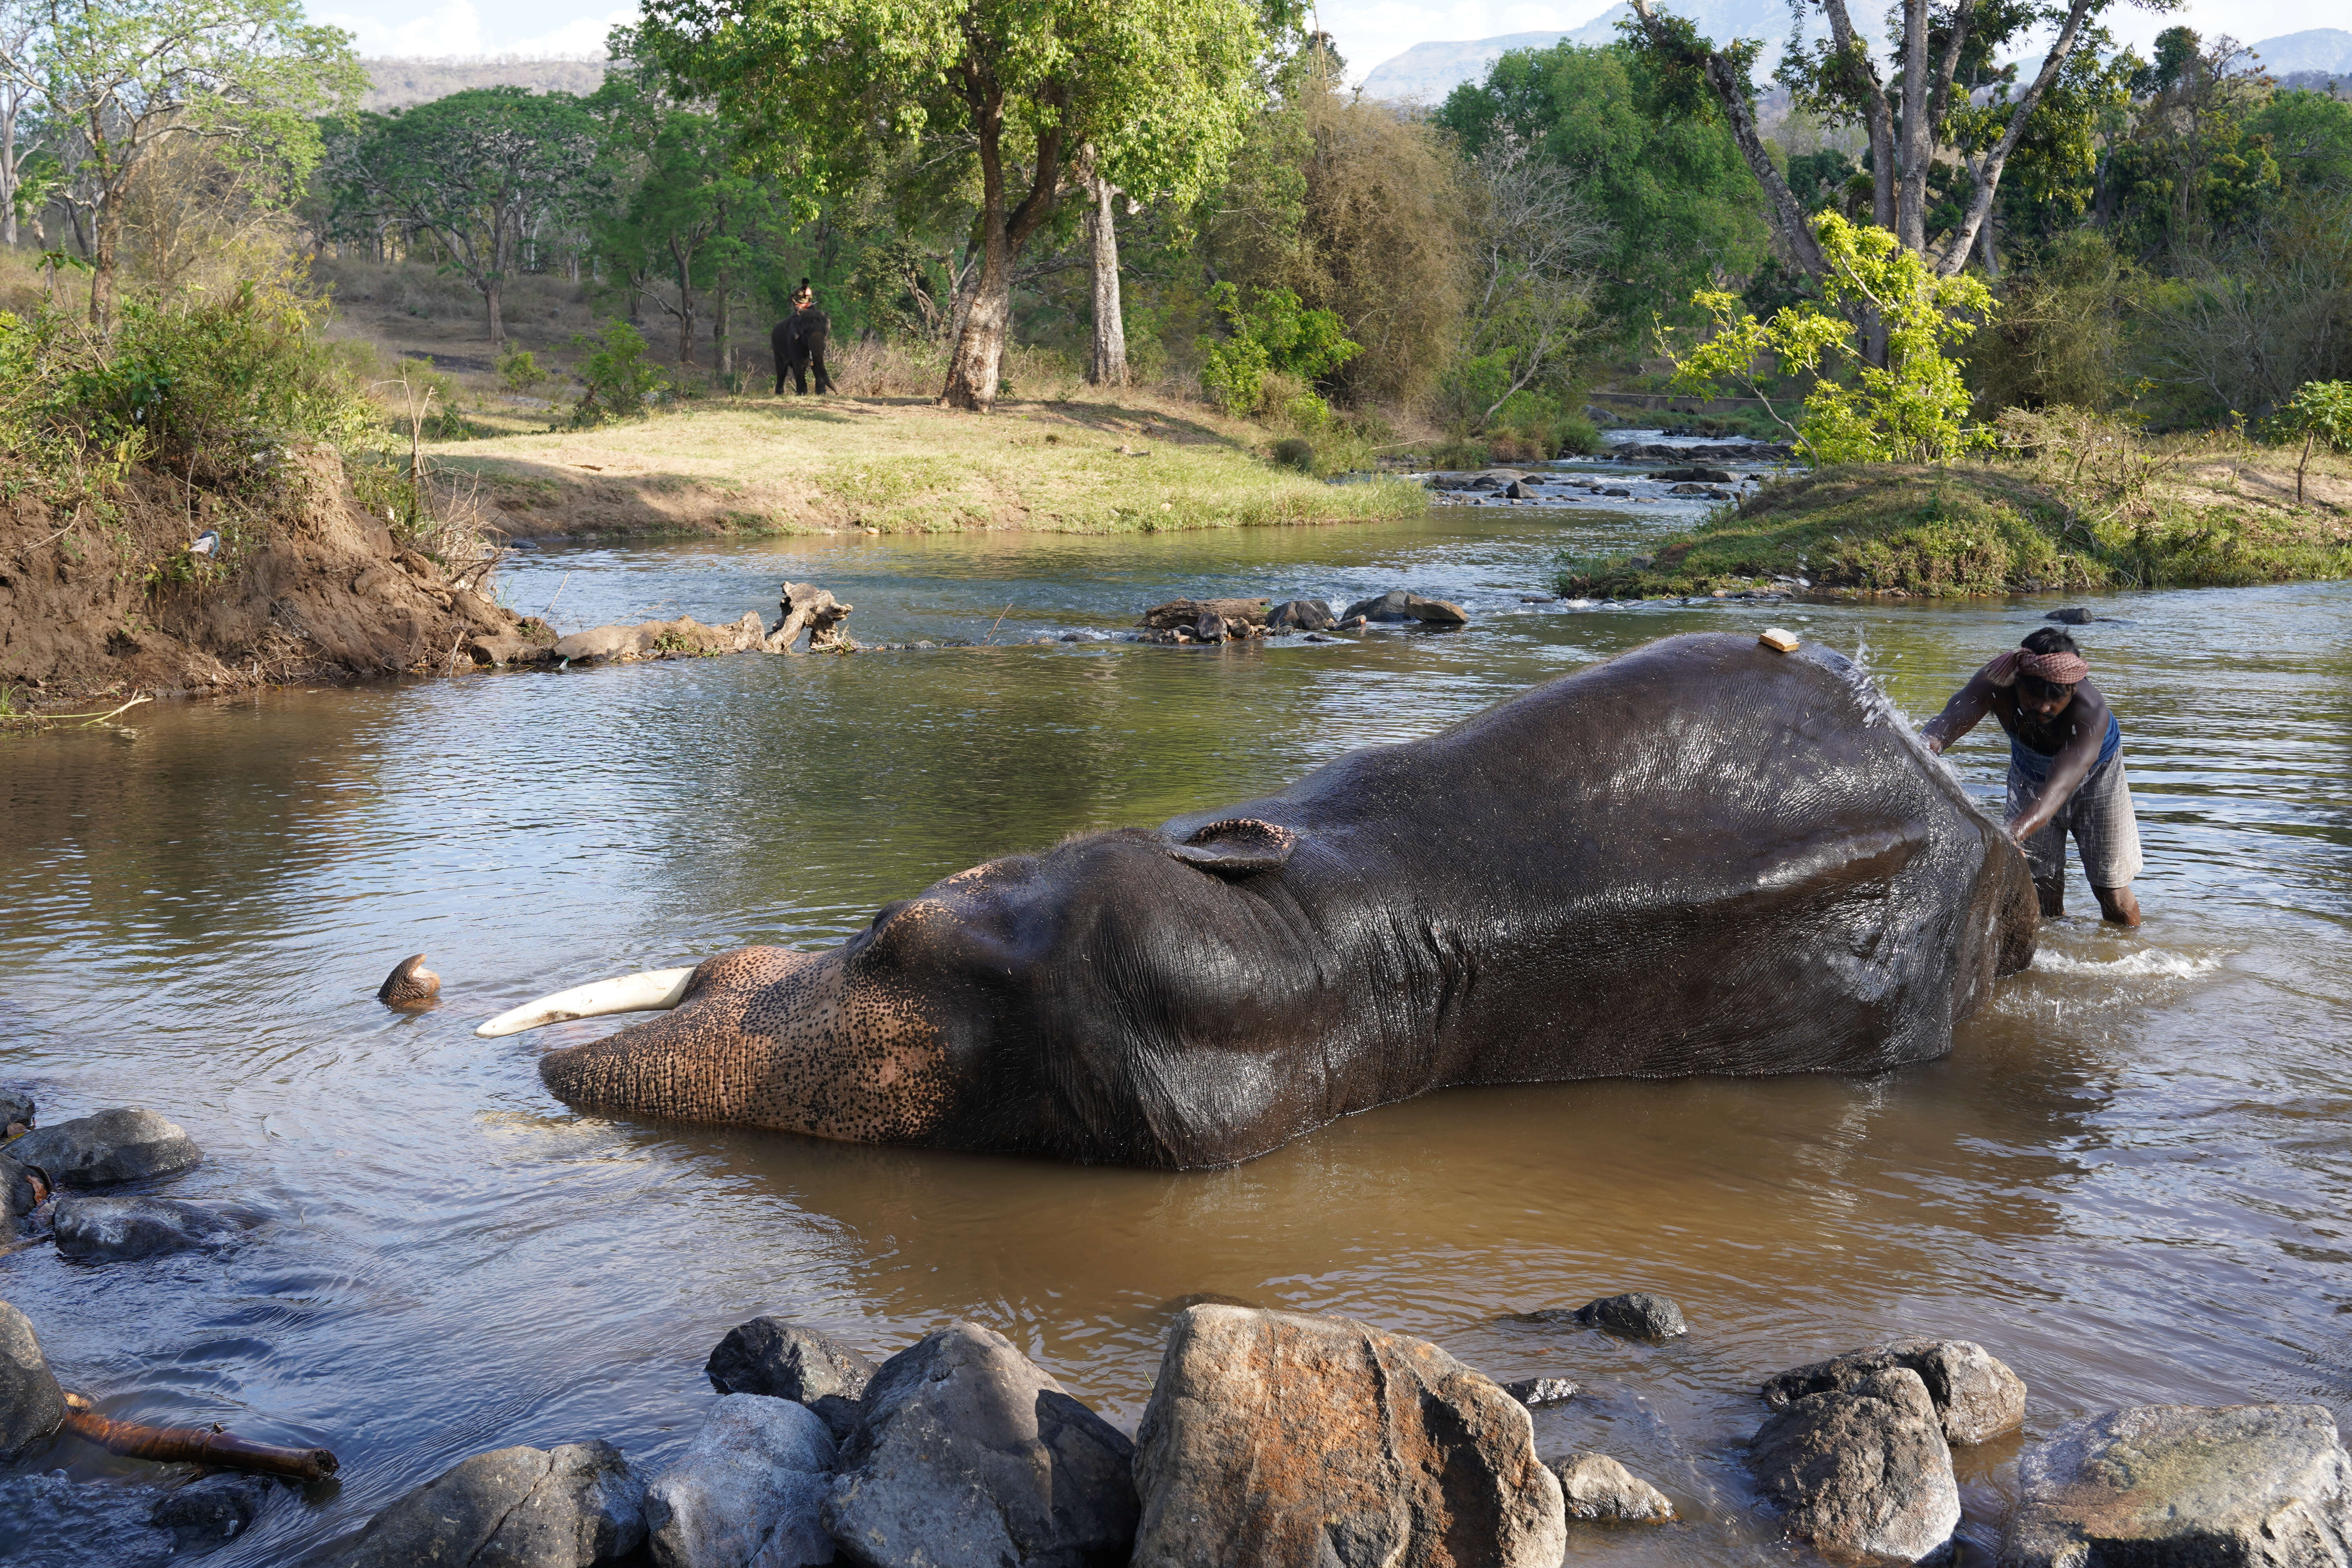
[(722, 346), (101, 272), (1108, 367), (975, 366), (8, 173), (491, 301)]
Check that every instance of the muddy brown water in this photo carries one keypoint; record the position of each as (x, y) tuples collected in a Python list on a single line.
[(2129, 1179)]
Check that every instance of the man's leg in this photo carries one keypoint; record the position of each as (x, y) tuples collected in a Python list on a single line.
[(2106, 831)]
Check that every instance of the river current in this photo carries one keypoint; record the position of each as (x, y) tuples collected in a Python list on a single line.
[(2130, 1180)]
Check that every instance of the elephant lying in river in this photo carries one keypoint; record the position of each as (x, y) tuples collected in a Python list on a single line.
[(1701, 857)]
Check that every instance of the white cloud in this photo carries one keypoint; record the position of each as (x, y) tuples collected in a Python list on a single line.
[(585, 37), (452, 27)]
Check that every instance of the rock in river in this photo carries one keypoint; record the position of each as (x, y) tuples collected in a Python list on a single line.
[(1276, 1438), (1599, 1488), (1300, 615), (747, 1491), (140, 1227), (211, 1510), (1396, 606), (21, 1193), (967, 1455), (16, 1111), (1863, 1470), (577, 1506), (1636, 1315), (1977, 1397), (1535, 1392), (784, 1361), (109, 1147), (31, 1407), (2265, 1485)]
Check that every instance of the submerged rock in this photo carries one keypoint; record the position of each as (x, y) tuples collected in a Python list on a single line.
[(127, 1145), (577, 1506), (747, 1491), (142, 1227), (1276, 1439), (1636, 1315), (1861, 1470), (31, 1407), (782, 1360), (1397, 607), (1539, 1391), (2072, 615), (1977, 1398), (1598, 1488), (2265, 1485), (968, 1455), (211, 1510)]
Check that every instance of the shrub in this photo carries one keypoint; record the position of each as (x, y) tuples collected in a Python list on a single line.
[(1292, 452), (615, 381), (215, 381), (1271, 334), (519, 371)]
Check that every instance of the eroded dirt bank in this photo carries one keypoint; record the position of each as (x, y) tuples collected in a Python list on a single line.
[(109, 600)]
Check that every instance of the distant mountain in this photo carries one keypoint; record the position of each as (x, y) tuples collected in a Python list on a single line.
[(404, 83), (2325, 49), (1425, 73)]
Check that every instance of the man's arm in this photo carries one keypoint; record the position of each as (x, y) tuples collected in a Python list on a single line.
[(2072, 765), (1968, 705)]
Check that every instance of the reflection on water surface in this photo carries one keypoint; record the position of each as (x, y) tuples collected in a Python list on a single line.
[(2130, 1178)]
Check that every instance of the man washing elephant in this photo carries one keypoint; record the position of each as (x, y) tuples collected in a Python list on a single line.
[(2065, 768), (1701, 857)]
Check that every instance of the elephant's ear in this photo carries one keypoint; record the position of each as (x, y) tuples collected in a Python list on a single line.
[(1237, 846)]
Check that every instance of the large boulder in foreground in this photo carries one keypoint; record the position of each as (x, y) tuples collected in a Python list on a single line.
[(1864, 1471), (967, 1455), (1276, 1439), (1977, 1397), (576, 1506), (113, 1146), (747, 1491), (103, 1227), (2263, 1485), (31, 1407), (783, 1359)]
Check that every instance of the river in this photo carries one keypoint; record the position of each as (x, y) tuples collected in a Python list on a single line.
[(2130, 1179)]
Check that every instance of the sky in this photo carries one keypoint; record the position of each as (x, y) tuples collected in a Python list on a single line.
[(1366, 31)]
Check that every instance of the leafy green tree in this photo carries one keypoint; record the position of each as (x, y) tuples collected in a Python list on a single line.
[(1156, 89), (615, 381), (1912, 407), (1665, 181), (471, 168), (127, 76)]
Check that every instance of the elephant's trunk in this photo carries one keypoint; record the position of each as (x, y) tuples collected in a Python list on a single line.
[(656, 989)]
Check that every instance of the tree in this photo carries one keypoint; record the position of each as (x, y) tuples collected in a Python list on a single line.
[(1911, 407), (1909, 124), (1531, 305), (2320, 410), (1663, 179), (1106, 364), (20, 87), (1156, 87), (469, 168), (129, 75)]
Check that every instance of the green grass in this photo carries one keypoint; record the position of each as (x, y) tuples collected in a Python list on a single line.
[(1141, 464), (1976, 530)]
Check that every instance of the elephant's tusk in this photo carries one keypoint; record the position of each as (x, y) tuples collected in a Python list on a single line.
[(651, 992)]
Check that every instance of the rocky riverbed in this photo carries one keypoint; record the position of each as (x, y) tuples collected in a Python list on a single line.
[(1272, 1438)]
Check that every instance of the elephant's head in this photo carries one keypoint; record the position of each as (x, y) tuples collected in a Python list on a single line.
[(996, 1009)]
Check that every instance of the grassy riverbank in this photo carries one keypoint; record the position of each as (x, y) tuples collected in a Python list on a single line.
[(2201, 515), (763, 465)]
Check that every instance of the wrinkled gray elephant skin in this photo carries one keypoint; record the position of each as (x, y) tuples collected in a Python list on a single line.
[(1701, 857)]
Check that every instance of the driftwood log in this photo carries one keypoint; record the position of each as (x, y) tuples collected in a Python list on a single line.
[(194, 1446), (807, 608)]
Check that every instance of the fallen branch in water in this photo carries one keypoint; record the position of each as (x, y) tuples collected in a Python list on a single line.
[(40, 718), (194, 1446)]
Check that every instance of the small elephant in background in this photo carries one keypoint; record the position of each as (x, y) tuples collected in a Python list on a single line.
[(798, 341)]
